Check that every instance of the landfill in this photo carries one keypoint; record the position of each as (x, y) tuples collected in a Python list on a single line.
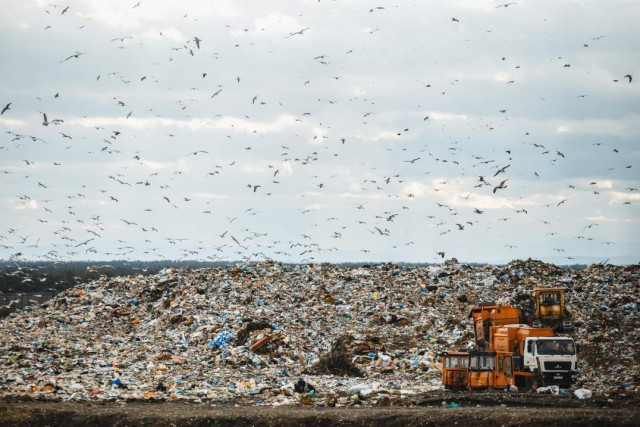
[(318, 335)]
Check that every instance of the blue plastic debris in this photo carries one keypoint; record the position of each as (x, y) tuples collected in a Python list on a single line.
[(221, 340)]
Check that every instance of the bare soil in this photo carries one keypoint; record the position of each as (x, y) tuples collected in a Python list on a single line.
[(485, 409)]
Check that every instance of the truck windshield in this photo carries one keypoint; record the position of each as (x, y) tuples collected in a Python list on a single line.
[(549, 347), (483, 363), (456, 362)]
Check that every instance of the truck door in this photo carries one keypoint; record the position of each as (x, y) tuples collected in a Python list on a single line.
[(504, 371), (508, 369)]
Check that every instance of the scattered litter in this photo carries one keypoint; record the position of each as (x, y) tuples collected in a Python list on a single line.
[(583, 393)]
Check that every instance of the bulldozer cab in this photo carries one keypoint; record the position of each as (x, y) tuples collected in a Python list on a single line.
[(551, 308), (549, 303), (455, 370)]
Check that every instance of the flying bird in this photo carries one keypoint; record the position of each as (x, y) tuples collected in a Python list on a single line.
[(628, 76), (75, 55), (6, 107), (46, 122), (297, 32), (501, 170), (499, 186)]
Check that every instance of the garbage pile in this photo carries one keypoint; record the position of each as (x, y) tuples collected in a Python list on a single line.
[(272, 334)]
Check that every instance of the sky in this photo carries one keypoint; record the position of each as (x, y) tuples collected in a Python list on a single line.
[(320, 131)]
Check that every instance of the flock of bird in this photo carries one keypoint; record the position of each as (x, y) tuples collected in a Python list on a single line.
[(306, 170)]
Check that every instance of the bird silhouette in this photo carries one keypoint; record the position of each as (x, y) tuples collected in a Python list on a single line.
[(501, 170), (500, 186), (75, 55), (46, 122)]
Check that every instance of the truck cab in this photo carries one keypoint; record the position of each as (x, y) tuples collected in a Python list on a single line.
[(552, 359), (455, 369), (477, 370)]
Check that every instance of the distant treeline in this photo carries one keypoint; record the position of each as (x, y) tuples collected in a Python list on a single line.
[(38, 276)]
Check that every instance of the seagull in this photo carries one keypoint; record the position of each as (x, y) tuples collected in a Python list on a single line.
[(628, 76), (505, 5), (297, 32), (46, 122), (501, 170), (75, 55), (197, 40), (5, 108), (499, 186)]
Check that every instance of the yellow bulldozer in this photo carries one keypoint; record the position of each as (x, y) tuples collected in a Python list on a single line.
[(551, 310)]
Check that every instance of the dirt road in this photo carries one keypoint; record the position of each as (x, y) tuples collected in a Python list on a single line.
[(71, 414)]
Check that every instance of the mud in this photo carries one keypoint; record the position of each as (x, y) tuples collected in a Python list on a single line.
[(477, 409)]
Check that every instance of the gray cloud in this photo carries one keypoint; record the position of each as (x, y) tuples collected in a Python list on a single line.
[(327, 131)]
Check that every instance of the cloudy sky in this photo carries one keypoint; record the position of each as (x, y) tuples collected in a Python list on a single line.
[(311, 131)]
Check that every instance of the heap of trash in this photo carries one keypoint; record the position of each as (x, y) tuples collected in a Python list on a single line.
[(320, 334)]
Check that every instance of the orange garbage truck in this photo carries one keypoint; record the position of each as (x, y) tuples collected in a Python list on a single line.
[(540, 357), (484, 317), (509, 353)]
